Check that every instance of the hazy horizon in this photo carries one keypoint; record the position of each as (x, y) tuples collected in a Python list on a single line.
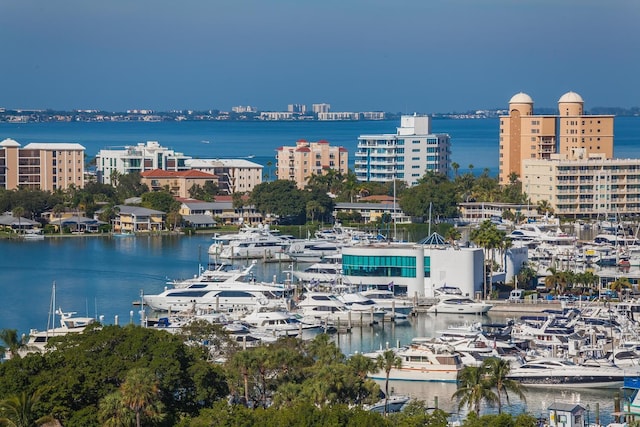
[(360, 55)]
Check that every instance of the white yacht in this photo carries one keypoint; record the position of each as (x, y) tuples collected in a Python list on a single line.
[(219, 296), (389, 301), (278, 322), (249, 242), (359, 303), (551, 372), (327, 271), (451, 300), (69, 323), (216, 273), (262, 246), (423, 361), (313, 250), (325, 307)]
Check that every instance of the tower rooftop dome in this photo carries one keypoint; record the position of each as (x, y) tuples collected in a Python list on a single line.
[(571, 97), (521, 98)]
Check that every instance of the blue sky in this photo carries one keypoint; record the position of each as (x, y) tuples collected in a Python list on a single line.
[(358, 55)]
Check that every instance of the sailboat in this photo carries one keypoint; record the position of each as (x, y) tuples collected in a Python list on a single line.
[(69, 323)]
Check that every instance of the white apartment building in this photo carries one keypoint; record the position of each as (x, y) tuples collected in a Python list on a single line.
[(138, 158), (276, 115), (406, 155), (234, 175), (343, 115), (320, 108), (244, 109), (586, 187), (373, 115), (297, 108)]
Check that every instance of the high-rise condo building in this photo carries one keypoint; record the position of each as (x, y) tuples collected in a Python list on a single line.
[(571, 133), (138, 158), (297, 163), (44, 166), (406, 155)]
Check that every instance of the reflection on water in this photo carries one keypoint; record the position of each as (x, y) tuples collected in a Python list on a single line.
[(434, 394), (536, 403)]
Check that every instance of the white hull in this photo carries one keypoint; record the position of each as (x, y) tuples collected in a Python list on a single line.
[(468, 308)]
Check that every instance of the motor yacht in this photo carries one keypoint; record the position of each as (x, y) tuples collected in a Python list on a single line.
[(249, 242), (225, 296), (552, 372), (215, 273), (389, 301), (451, 301), (359, 303), (392, 404), (327, 271), (325, 307), (69, 323), (422, 361), (313, 250), (278, 322), (257, 247)]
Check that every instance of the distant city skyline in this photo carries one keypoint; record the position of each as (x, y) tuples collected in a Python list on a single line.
[(402, 57)]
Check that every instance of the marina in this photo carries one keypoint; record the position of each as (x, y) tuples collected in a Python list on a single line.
[(147, 265)]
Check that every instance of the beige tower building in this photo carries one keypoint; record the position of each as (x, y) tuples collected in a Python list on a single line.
[(309, 158), (525, 136)]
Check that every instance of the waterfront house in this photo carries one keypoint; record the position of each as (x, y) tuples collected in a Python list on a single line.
[(177, 182), (18, 224), (77, 224), (137, 219), (222, 209)]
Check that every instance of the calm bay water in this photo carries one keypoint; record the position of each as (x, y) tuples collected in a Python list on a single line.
[(474, 141), (102, 276)]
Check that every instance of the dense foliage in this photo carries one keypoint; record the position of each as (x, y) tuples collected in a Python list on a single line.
[(87, 367), (132, 376)]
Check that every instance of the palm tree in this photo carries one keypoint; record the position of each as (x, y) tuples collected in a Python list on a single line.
[(140, 393), (17, 212), (362, 365), (12, 342), (544, 207), (455, 166), (269, 164), (387, 361), (498, 370), (19, 411), (58, 210), (489, 238), (452, 235), (474, 388), (112, 413), (620, 285), (244, 361)]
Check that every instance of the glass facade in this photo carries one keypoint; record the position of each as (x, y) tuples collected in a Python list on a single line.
[(379, 266)]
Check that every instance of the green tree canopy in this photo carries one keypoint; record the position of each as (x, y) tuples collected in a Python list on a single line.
[(89, 366), (281, 198)]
